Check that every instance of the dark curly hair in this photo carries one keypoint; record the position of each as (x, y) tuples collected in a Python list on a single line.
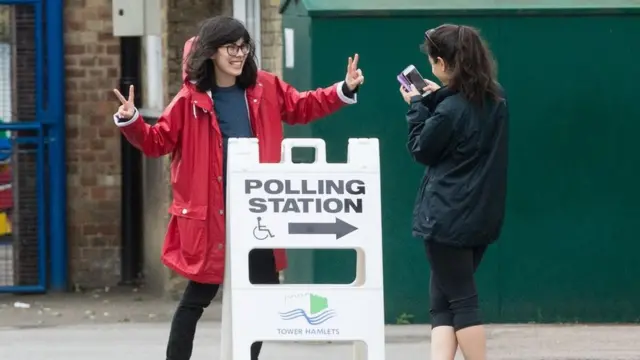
[(468, 60), (214, 33)]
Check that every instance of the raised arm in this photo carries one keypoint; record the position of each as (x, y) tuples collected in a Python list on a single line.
[(306, 106), (153, 140), (429, 132)]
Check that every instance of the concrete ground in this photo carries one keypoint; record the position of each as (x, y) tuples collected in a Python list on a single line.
[(131, 325)]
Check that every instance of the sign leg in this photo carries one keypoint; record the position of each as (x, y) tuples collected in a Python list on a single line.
[(361, 268), (226, 340), (360, 350)]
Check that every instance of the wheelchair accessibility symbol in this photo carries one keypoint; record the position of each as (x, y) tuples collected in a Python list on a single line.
[(261, 232)]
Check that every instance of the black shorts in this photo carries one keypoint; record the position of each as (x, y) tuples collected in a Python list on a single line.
[(452, 287)]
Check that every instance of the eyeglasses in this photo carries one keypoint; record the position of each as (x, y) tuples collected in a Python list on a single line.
[(427, 36), (234, 49)]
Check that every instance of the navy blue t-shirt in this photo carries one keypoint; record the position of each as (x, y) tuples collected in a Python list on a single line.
[(230, 105)]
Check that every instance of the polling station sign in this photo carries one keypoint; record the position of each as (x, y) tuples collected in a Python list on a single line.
[(317, 202), (305, 196), (313, 199), (275, 206), (304, 206)]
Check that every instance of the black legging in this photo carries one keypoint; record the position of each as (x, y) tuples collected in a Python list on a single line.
[(452, 287), (198, 296)]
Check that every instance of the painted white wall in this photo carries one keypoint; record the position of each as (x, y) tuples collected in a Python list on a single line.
[(154, 81), (248, 11)]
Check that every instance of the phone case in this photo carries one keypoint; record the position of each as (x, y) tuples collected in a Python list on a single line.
[(404, 82)]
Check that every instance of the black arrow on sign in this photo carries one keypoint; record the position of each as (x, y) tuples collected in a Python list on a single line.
[(338, 228)]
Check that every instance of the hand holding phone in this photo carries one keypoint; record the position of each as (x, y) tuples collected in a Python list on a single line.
[(411, 76), (414, 77)]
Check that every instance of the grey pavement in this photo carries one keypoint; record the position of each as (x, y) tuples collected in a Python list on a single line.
[(145, 341), (134, 326)]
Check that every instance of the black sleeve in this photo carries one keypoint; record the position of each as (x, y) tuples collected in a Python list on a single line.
[(429, 132), (348, 92)]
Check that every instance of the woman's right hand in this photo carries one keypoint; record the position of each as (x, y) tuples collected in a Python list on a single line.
[(431, 86), (127, 109)]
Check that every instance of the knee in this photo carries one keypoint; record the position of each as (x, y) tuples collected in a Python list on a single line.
[(192, 305), (198, 296), (195, 303)]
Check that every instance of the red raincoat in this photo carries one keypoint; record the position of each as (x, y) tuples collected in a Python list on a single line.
[(195, 240)]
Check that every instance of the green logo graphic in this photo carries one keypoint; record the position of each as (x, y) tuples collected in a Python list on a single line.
[(311, 307), (317, 303)]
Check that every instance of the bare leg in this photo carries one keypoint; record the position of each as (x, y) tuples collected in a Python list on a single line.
[(443, 343), (473, 342)]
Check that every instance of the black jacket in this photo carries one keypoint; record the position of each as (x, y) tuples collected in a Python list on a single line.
[(461, 200)]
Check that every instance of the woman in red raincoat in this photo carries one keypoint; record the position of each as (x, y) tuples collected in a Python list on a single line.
[(224, 95)]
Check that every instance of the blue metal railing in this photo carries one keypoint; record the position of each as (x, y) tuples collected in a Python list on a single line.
[(47, 137), (33, 144)]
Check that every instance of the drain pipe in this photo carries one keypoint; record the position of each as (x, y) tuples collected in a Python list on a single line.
[(131, 197)]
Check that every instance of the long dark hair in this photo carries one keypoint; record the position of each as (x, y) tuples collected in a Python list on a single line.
[(468, 60), (214, 33)]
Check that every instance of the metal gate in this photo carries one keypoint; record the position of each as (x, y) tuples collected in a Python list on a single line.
[(32, 166)]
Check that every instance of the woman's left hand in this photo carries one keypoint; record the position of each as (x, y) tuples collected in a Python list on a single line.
[(354, 74), (407, 95)]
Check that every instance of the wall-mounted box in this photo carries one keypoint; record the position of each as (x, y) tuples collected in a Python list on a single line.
[(136, 17)]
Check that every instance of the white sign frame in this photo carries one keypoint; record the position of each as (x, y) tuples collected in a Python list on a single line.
[(345, 312)]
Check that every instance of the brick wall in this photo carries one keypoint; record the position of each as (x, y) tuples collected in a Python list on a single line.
[(271, 36), (93, 143)]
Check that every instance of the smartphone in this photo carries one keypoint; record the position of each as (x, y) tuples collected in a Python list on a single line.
[(413, 76), (404, 82)]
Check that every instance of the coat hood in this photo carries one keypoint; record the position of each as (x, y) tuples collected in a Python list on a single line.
[(185, 56)]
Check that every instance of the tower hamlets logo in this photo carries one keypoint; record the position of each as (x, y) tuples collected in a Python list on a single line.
[(314, 309)]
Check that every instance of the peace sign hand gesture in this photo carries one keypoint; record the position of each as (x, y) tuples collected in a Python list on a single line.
[(127, 109), (354, 75)]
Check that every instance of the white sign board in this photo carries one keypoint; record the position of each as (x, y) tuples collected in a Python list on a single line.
[(303, 206)]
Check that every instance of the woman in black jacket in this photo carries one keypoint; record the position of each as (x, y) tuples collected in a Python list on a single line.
[(459, 132)]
